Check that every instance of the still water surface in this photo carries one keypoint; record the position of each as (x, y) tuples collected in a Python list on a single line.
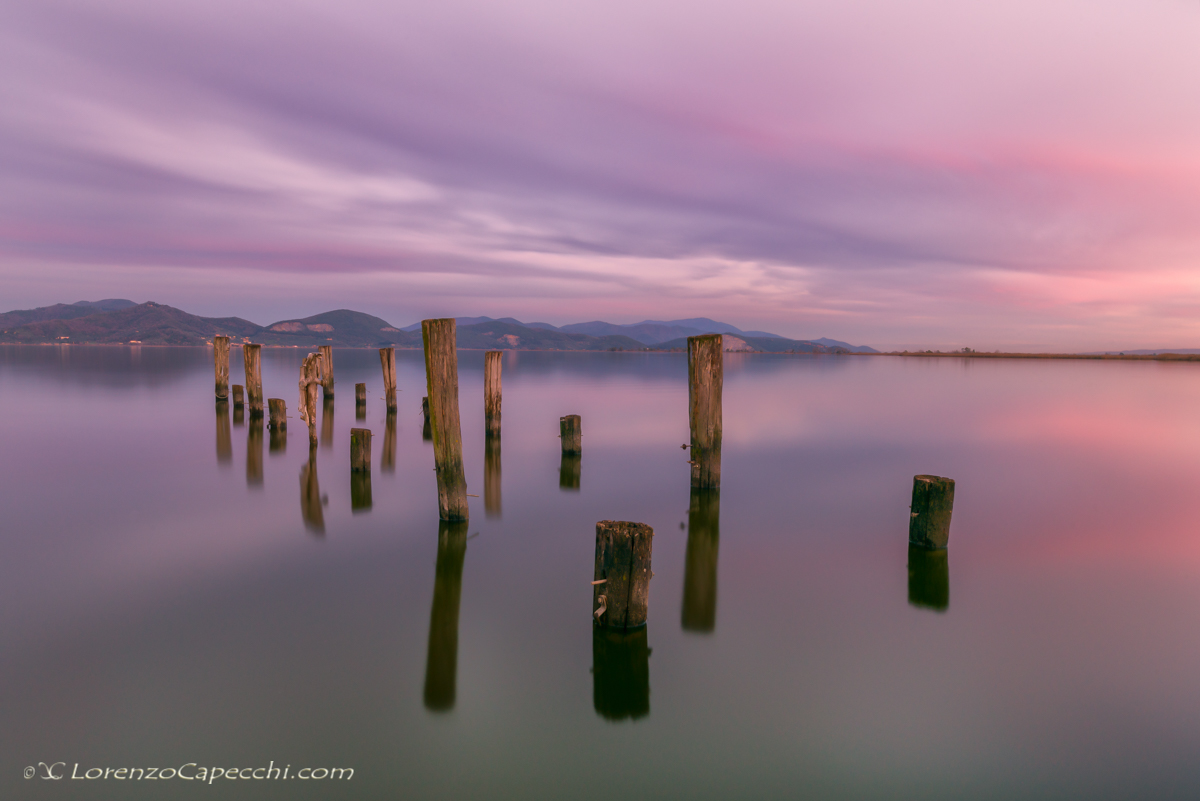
[(179, 586)]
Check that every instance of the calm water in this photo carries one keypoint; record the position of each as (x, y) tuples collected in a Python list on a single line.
[(178, 588)]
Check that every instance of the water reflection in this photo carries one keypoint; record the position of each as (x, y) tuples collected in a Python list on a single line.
[(441, 666), (239, 414), (254, 451), (327, 422), (929, 578), (224, 438), (360, 491), (700, 563), (387, 459), (310, 495), (491, 476), (278, 440), (620, 673), (568, 471)]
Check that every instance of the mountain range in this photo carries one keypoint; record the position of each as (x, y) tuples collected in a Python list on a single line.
[(116, 321)]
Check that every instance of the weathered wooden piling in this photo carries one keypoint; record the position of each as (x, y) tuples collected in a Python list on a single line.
[(929, 516), (570, 431), (360, 401), (387, 357), (426, 429), (929, 578), (570, 467), (254, 451), (491, 391), (441, 377), (238, 399), (360, 450), (310, 379), (621, 584), (278, 410), (224, 438), (491, 476), (620, 673), (441, 664), (700, 562), (705, 379), (387, 459), (311, 507), (251, 359), (327, 370), (221, 365)]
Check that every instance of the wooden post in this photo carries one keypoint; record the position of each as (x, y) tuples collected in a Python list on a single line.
[(224, 439), (570, 430), (929, 518), (221, 365), (491, 391), (705, 378), (620, 673), (426, 431), (621, 586), (929, 578), (387, 460), (700, 562), (251, 357), (254, 452), (310, 378), (491, 476), (387, 357), (278, 411), (360, 401), (237, 396), (360, 450), (311, 508), (569, 469), (327, 369), (441, 377), (441, 664)]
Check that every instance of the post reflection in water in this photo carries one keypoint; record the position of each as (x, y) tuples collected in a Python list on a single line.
[(441, 665), (239, 414), (224, 436), (700, 563), (568, 471), (387, 458), (254, 452), (491, 477), (310, 495), (360, 491), (277, 440), (327, 423), (620, 673), (929, 578)]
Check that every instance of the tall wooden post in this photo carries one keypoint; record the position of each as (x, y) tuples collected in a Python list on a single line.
[(221, 366), (251, 356), (327, 369), (387, 357), (705, 378), (570, 430), (441, 663), (621, 589), (700, 562), (310, 378), (278, 409), (929, 518), (441, 377), (491, 391)]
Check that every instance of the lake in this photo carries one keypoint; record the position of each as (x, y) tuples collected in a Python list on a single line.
[(182, 590)]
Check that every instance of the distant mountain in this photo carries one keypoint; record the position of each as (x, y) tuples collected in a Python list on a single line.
[(61, 311), (342, 328), (476, 320), (1150, 352), (745, 344), (148, 323), (496, 334), (833, 343), (654, 332)]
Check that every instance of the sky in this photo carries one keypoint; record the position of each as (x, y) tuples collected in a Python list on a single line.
[(900, 173)]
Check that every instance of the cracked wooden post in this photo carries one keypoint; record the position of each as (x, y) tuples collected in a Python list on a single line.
[(491, 391), (387, 357), (705, 377), (621, 580), (441, 378), (327, 369), (221, 366), (360, 401), (251, 358), (570, 430), (929, 517), (310, 378), (278, 410)]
